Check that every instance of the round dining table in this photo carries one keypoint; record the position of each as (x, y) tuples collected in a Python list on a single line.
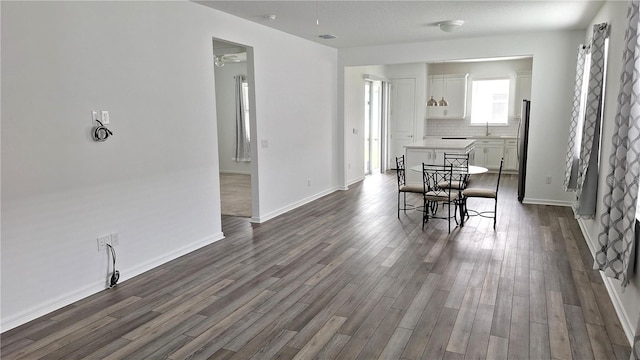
[(473, 169)]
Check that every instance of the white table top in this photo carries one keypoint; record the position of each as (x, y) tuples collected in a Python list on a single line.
[(473, 169)]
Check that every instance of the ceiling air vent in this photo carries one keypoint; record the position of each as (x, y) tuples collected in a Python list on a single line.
[(327, 36)]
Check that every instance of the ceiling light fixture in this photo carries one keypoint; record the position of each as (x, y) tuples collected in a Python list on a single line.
[(270, 17), (218, 61), (327, 36), (450, 25)]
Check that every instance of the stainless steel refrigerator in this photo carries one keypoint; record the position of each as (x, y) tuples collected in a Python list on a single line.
[(523, 144)]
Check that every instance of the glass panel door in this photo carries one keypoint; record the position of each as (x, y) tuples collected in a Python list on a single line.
[(372, 126)]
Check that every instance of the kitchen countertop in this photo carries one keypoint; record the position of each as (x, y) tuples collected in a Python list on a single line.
[(490, 137), (439, 143)]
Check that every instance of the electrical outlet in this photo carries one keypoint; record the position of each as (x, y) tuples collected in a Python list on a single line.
[(94, 117), (102, 242), (104, 115), (115, 239)]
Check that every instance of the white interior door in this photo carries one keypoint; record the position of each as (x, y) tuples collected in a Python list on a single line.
[(403, 115)]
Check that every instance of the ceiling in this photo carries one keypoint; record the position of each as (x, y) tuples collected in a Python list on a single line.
[(367, 23)]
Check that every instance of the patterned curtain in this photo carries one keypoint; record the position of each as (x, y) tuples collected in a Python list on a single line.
[(617, 238), (635, 351), (587, 179), (243, 148), (577, 112)]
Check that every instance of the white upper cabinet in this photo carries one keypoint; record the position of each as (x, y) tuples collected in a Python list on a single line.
[(454, 89)]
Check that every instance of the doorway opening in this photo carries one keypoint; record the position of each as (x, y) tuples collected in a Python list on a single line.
[(375, 126), (235, 102)]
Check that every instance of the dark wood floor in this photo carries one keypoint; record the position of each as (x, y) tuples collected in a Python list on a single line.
[(344, 278)]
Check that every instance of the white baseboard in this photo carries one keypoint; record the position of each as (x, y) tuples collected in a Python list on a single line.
[(146, 266), (234, 172), (25, 316), (546, 202), (91, 289), (611, 285), (290, 207), (353, 181)]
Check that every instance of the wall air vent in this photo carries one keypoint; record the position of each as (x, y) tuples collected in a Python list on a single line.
[(327, 36)]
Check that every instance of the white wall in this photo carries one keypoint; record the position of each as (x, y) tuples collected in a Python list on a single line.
[(354, 124), (628, 302), (297, 115), (226, 115), (156, 181), (553, 63)]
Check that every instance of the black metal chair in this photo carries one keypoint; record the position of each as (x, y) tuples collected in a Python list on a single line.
[(460, 166), (434, 195), (403, 187), (484, 194)]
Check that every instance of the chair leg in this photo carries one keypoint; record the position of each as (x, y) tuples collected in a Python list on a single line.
[(398, 204), (495, 213), (425, 213), (405, 203), (455, 212), (449, 216)]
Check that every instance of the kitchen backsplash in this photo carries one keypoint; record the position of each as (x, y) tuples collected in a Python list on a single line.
[(448, 127)]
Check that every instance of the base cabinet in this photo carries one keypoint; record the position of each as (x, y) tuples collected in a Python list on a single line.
[(417, 155), (510, 155), (488, 154)]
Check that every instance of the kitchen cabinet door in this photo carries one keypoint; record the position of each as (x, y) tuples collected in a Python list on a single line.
[(511, 155), (493, 155), (488, 153), (417, 157), (438, 157), (510, 158), (454, 90)]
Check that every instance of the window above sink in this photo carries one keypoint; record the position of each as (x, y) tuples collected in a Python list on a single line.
[(490, 101)]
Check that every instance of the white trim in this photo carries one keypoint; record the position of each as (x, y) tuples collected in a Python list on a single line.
[(25, 316), (235, 172), (546, 202), (617, 305), (372, 77), (356, 180), (285, 209), (611, 285)]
